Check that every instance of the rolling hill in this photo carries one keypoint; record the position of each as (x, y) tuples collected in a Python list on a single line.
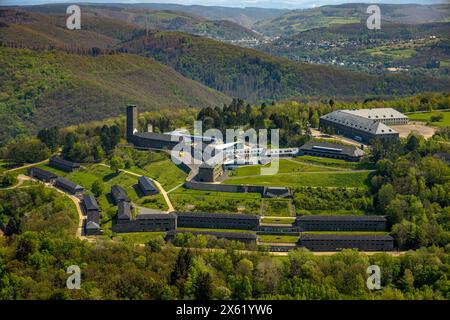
[(171, 20), (300, 20), (256, 76), (44, 88)]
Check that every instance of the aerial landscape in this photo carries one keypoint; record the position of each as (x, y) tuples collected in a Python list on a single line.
[(210, 151)]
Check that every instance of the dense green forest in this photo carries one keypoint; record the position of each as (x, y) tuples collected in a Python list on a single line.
[(39, 89), (254, 76), (34, 258)]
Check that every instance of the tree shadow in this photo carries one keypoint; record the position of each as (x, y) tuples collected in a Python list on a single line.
[(110, 176)]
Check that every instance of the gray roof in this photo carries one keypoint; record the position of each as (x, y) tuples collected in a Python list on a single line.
[(358, 122), (42, 173), (150, 216), (146, 184), (64, 162), (90, 203), (218, 234), (91, 225), (218, 215), (61, 181), (333, 148), (124, 210), (377, 113), (119, 193), (345, 236), (341, 218), (159, 136)]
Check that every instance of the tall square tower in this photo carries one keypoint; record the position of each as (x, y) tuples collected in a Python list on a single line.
[(132, 121)]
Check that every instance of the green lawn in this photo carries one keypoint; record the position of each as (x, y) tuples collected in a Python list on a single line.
[(350, 179), (278, 220), (392, 53), (285, 166), (277, 207), (425, 117), (164, 171), (280, 239), (332, 163), (185, 199)]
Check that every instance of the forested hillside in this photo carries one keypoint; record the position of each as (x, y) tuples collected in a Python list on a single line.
[(39, 89), (255, 76), (153, 19)]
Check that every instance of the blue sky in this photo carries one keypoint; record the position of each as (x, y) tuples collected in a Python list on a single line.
[(289, 4)]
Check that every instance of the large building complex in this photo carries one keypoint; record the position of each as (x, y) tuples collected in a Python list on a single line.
[(364, 125)]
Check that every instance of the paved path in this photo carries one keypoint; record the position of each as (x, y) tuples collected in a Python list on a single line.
[(28, 165), (158, 185), (21, 178), (79, 233)]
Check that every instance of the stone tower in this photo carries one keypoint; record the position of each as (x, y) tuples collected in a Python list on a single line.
[(132, 121)]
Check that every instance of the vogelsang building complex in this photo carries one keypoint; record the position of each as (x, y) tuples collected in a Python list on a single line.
[(364, 125)]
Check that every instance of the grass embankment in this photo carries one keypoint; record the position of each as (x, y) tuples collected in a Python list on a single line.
[(208, 201), (278, 239), (349, 179)]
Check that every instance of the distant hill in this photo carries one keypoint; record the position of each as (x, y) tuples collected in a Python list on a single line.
[(29, 29), (39, 89), (243, 16), (256, 76), (300, 20), (171, 20)]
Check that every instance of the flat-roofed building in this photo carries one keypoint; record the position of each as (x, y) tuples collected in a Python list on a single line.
[(41, 174), (62, 164), (119, 194), (341, 223), (217, 220), (69, 186), (357, 127), (147, 187), (331, 150)]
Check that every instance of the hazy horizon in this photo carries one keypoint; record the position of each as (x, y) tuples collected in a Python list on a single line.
[(276, 4)]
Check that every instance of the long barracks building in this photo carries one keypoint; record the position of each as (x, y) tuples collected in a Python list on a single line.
[(364, 125), (339, 241), (341, 223), (217, 220)]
